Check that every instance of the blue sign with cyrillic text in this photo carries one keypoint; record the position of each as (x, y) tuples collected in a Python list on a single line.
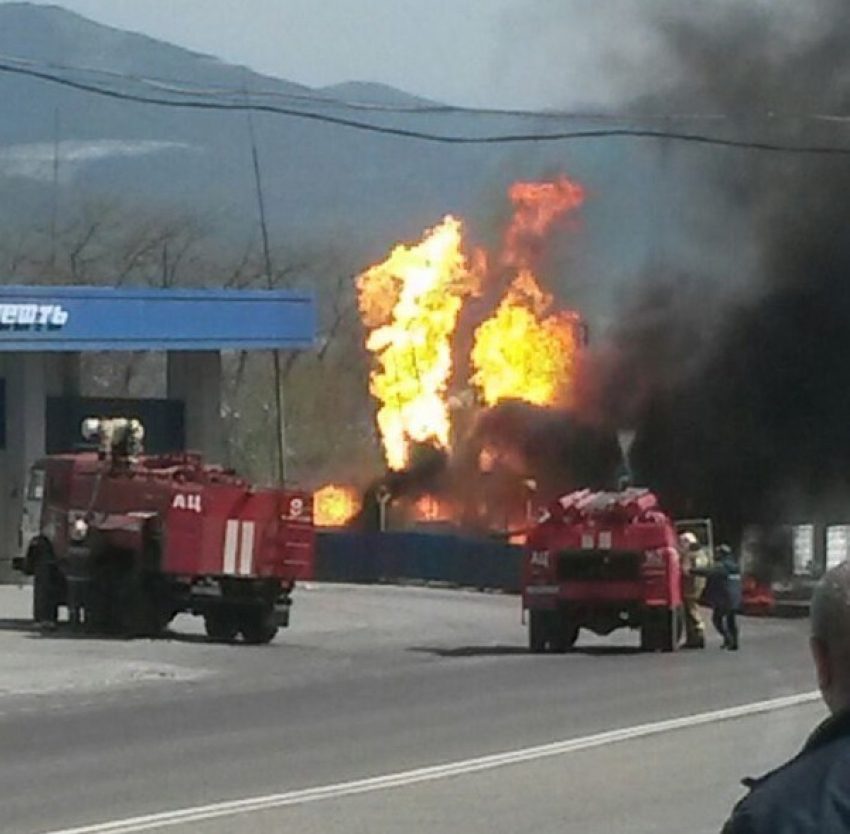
[(108, 319)]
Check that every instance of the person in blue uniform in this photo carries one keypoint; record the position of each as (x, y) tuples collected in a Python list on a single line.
[(723, 594)]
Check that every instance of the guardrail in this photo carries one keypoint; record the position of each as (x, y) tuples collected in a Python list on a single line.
[(366, 558)]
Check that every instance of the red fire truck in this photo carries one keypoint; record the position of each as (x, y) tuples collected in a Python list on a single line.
[(126, 541), (603, 561)]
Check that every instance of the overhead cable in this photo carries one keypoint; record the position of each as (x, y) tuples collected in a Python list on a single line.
[(416, 134)]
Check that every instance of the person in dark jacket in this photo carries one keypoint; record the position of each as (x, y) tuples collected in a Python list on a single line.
[(811, 793), (723, 594)]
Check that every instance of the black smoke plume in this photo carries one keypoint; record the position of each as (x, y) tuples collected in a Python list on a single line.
[(551, 446), (739, 385), (426, 474)]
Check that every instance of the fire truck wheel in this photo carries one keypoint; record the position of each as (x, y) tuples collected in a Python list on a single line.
[(135, 612), (103, 603), (258, 625), (97, 609), (660, 632), (45, 591), (538, 632), (668, 638), (221, 625), (668, 631), (648, 638), (564, 635)]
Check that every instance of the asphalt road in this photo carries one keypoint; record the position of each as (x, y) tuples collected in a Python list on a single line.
[(378, 683)]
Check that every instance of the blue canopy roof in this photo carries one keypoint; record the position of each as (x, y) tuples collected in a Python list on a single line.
[(63, 318)]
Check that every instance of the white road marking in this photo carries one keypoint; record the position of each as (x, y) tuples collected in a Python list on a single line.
[(202, 813)]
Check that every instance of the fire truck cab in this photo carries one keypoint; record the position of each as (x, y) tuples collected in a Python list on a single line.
[(602, 561)]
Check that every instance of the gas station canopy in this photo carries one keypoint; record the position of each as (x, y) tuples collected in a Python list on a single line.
[(63, 318)]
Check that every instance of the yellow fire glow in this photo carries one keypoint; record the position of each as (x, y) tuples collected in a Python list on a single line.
[(411, 303), (431, 508), (523, 353), (334, 505)]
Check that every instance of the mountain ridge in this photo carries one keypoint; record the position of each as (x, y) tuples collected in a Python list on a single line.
[(320, 180)]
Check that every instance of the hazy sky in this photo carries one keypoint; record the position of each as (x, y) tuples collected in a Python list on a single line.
[(522, 53)]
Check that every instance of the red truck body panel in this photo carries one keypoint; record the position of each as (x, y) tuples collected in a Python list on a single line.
[(225, 531)]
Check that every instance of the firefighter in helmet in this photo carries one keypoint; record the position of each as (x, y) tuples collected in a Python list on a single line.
[(693, 556)]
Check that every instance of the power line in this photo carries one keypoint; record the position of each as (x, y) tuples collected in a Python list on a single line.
[(421, 135), (316, 97)]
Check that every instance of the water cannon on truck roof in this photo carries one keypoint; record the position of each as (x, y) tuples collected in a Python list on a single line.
[(118, 438)]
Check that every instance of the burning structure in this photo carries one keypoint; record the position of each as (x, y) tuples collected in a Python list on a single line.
[(728, 359), (471, 358)]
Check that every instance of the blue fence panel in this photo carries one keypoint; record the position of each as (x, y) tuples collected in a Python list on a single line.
[(425, 557), (346, 557)]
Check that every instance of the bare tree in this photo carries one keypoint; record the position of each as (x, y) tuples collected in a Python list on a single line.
[(329, 413)]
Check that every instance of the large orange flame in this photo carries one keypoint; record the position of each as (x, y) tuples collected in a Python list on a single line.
[(537, 205), (335, 505), (411, 304), (523, 353), (525, 350), (432, 508)]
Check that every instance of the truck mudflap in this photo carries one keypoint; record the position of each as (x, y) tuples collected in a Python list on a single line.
[(281, 612)]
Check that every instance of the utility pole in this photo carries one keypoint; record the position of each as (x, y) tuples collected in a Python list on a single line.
[(54, 209), (280, 405)]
